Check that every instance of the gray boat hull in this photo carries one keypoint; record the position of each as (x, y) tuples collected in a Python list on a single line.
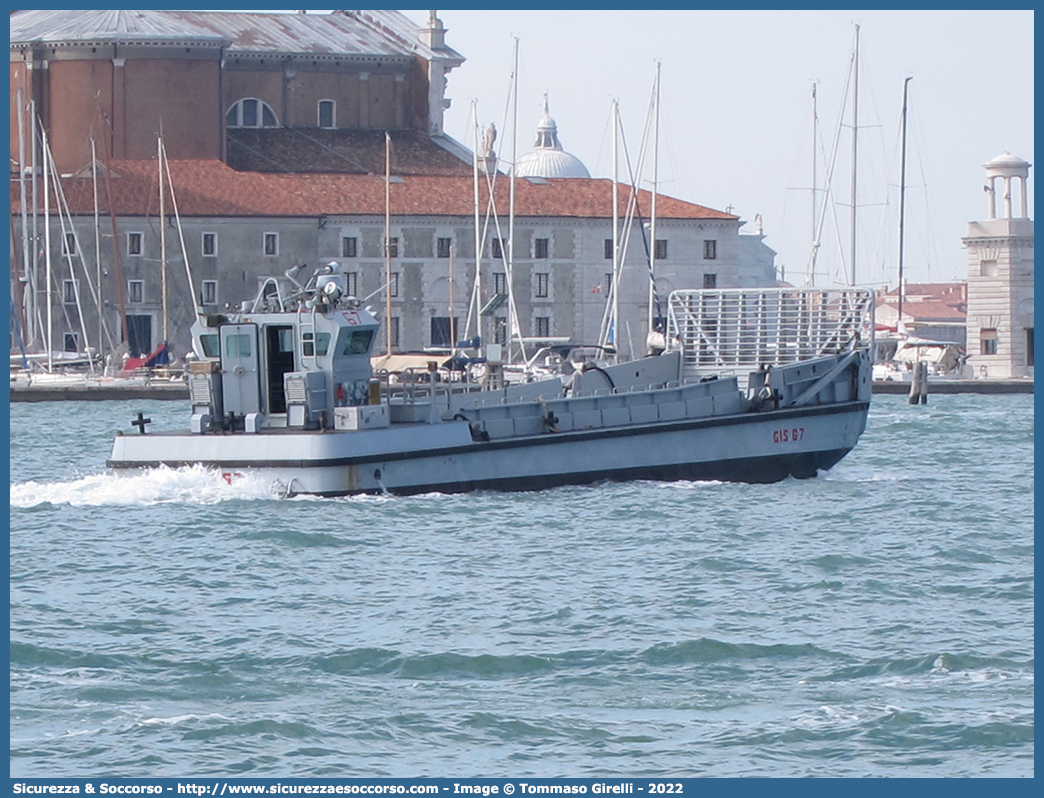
[(751, 447)]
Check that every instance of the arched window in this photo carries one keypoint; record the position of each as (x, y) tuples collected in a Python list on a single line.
[(251, 112)]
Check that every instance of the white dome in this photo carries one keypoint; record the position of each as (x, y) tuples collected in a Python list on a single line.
[(547, 158)]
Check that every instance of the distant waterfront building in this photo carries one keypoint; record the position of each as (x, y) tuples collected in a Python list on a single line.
[(275, 128), (1000, 276)]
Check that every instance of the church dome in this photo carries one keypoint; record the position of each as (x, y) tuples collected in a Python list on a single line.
[(547, 158)]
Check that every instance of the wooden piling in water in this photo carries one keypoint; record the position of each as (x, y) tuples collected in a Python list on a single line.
[(919, 384)]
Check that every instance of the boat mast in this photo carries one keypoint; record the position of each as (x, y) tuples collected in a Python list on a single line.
[(387, 243), (34, 282), (815, 178), (477, 304), (512, 312), (615, 317), (855, 149), (47, 248), (163, 236), (652, 211), (902, 204), (18, 284), (97, 241)]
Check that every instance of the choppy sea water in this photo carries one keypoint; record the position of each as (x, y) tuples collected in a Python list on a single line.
[(874, 621)]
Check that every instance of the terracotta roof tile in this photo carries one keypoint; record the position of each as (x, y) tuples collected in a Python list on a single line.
[(211, 188)]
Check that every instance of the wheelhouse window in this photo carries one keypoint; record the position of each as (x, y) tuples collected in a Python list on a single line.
[(710, 250), (209, 245), (349, 247), (315, 343), (326, 113), (271, 244), (251, 112), (356, 342), (133, 243)]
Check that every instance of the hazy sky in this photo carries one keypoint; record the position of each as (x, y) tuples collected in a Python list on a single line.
[(736, 113)]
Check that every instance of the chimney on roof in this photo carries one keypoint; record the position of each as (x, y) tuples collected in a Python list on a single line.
[(434, 36)]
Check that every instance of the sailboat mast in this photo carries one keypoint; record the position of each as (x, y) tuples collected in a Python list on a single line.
[(97, 240), (47, 249), (163, 236), (19, 285), (478, 231), (387, 243), (902, 203), (652, 211), (614, 287), (855, 149), (512, 312), (815, 177)]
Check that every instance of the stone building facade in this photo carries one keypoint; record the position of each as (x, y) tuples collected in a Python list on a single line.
[(1000, 276)]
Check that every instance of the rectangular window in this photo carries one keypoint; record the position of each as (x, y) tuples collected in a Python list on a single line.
[(210, 243), (608, 283), (661, 249), (133, 243), (444, 247), (1029, 346), (608, 249), (393, 247), (326, 113), (69, 244), (541, 287), (395, 330), (988, 268), (988, 341), (710, 281), (69, 291), (272, 244), (540, 248), (249, 113), (72, 342), (710, 250), (543, 326), (210, 292), (136, 290), (349, 247), (500, 329), (352, 283), (499, 283), (393, 286), (497, 248)]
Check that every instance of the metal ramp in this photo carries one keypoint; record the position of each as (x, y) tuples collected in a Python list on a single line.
[(734, 331)]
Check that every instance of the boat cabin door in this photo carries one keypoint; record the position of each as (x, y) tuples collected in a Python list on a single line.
[(240, 383)]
